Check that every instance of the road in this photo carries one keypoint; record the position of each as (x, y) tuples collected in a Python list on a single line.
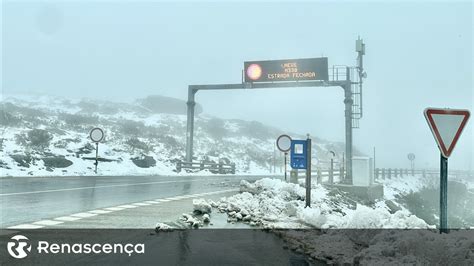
[(28, 199)]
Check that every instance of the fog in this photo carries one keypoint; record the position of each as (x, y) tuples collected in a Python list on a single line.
[(417, 55)]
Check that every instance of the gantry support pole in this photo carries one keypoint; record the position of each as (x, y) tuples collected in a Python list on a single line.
[(348, 102), (190, 123)]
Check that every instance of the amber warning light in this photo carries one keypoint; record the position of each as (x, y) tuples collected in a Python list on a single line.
[(287, 70)]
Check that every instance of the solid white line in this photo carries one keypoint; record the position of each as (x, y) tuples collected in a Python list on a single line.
[(121, 185), (67, 218), (48, 222), (25, 226), (83, 214), (163, 200)]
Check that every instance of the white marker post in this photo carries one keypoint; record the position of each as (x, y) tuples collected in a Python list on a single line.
[(284, 144), (446, 126), (96, 135)]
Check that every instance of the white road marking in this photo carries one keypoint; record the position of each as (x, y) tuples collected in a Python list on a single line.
[(25, 226), (96, 187), (114, 209), (99, 211), (141, 204), (127, 206), (48, 222), (67, 218), (78, 216), (83, 214), (152, 202)]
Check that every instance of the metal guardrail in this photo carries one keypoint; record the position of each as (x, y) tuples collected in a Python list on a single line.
[(384, 173), (218, 168)]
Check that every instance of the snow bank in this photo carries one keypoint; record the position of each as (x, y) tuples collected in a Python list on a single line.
[(201, 206), (276, 204)]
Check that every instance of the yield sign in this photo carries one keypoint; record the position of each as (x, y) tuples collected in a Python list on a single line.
[(446, 126)]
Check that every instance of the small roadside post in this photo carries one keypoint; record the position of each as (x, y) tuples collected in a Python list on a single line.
[(446, 126), (411, 157), (300, 158), (96, 135), (331, 169), (284, 144)]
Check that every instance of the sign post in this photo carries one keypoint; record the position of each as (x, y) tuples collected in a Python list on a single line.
[(96, 135), (300, 158), (284, 144), (446, 126)]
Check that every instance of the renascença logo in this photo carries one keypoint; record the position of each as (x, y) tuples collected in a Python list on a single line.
[(19, 246)]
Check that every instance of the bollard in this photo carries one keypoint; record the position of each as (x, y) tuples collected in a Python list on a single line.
[(294, 176)]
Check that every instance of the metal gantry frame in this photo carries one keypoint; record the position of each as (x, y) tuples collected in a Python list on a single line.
[(346, 84)]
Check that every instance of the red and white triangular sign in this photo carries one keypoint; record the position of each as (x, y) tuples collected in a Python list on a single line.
[(446, 126)]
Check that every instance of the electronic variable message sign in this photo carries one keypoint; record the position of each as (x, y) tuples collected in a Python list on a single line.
[(287, 70)]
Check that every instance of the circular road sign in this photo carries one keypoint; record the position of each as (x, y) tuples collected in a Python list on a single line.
[(284, 143), (97, 134), (411, 156)]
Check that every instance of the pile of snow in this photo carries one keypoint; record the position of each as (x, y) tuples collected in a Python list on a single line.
[(201, 206), (276, 204), (162, 227)]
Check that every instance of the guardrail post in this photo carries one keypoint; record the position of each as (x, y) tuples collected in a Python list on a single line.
[(221, 168), (412, 171), (232, 168), (401, 172), (376, 173), (201, 166), (424, 173), (383, 173), (320, 176), (389, 175)]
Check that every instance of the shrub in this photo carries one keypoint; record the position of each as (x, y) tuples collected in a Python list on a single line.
[(135, 143), (39, 138), (144, 161)]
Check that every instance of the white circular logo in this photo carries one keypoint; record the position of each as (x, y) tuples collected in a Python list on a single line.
[(19, 246)]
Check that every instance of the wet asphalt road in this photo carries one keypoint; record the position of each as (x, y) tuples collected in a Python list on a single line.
[(27, 199)]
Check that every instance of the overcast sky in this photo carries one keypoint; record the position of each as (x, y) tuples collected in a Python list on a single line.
[(418, 55)]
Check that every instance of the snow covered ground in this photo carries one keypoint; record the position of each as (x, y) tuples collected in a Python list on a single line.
[(273, 203), (337, 229), (133, 133)]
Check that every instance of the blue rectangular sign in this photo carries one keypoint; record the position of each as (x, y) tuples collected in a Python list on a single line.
[(298, 154)]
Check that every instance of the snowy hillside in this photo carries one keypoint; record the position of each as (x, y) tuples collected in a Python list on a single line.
[(49, 136)]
